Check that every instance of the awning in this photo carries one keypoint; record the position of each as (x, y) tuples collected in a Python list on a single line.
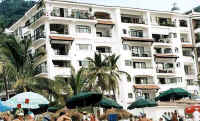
[(137, 39), (187, 46), (61, 38), (165, 56), (146, 86), (105, 22)]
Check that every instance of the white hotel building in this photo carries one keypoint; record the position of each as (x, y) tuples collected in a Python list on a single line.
[(155, 47)]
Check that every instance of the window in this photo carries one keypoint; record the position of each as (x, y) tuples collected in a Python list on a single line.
[(59, 29), (183, 23), (126, 47), (176, 50), (175, 35), (83, 29), (84, 63), (139, 65), (137, 50), (167, 50), (41, 68), (84, 47), (39, 32), (162, 80), (136, 33), (178, 64), (141, 80), (61, 63), (158, 50), (190, 82), (124, 31), (128, 63), (130, 95), (103, 49)]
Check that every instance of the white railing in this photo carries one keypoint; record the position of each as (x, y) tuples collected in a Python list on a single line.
[(62, 71)]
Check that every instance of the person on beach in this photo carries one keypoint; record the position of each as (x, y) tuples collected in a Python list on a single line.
[(31, 116), (166, 117), (19, 115), (64, 117), (175, 116), (6, 116), (196, 115)]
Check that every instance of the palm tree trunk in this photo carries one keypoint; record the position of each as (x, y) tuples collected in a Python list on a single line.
[(6, 87), (114, 93)]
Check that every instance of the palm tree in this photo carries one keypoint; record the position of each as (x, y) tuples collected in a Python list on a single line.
[(115, 73), (51, 89), (97, 73), (77, 81), (104, 73)]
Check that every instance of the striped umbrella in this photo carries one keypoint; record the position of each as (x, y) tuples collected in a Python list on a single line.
[(29, 100)]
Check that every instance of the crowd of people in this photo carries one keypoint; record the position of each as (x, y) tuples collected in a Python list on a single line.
[(171, 116), (63, 116)]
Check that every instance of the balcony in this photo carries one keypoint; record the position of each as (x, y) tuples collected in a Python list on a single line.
[(188, 53), (145, 54), (41, 70), (75, 13), (62, 68), (133, 19), (165, 70), (61, 51), (169, 82), (183, 23), (162, 67), (165, 22), (103, 34), (62, 71), (104, 50), (39, 34), (166, 42), (144, 71), (102, 15), (144, 80), (34, 19)]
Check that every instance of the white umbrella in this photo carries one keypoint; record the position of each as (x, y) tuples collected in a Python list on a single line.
[(27, 100)]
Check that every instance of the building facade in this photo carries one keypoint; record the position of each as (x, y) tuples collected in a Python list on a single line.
[(155, 47)]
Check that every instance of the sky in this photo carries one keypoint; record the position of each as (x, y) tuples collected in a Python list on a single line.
[(165, 5)]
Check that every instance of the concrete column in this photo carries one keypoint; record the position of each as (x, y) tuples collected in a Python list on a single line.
[(50, 67), (148, 14)]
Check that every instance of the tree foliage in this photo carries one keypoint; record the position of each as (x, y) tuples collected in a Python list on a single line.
[(12, 10)]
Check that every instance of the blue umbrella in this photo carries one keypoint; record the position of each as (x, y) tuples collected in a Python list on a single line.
[(4, 108)]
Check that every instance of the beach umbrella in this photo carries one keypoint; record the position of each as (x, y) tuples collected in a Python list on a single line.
[(108, 103), (173, 93), (141, 103), (52, 109), (83, 99), (29, 100), (192, 108), (4, 108)]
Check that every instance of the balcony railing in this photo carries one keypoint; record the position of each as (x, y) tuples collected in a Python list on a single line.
[(163, 40), (58, 52), (170, 24), (39, 36), (147, 67), (145, 54), (40, 69), (190, 73), (132, 19), (170, 70), (144, 83)]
